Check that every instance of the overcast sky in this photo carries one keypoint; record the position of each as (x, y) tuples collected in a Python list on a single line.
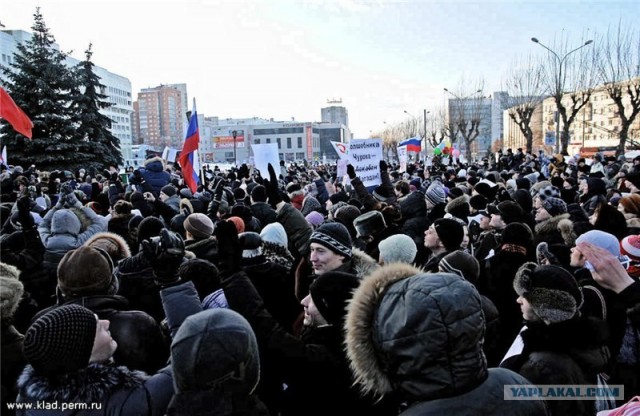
[(284, 59)]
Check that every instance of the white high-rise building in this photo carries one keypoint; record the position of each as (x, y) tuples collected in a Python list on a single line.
[(117, 89)]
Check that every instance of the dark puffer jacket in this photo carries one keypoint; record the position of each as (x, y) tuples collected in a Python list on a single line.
[(418, 336), (155, 175)]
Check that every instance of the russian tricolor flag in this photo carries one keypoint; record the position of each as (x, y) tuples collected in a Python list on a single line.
[(413, 144), (189, 155)]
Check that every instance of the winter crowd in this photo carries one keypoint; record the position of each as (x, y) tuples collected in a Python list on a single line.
[(299, 292)]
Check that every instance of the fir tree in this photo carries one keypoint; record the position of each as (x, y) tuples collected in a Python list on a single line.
[(99, 148), (40, 83)]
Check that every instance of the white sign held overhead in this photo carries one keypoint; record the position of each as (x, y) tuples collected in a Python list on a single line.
[(342, 167), (263, 154), (402, 156), (365, 156)]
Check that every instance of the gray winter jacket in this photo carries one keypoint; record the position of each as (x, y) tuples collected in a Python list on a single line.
[(418, 336)]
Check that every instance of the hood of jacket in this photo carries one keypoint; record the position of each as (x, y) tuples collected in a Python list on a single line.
[(416, 334), (65, 222), (215, 350), (155, 164), (362, 264), (559, 223), (92, 384)]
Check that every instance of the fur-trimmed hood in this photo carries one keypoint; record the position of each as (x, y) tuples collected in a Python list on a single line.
[(417, 334), (457, 205), (110, 241), (154, 164), (94, 384), (362, 264), (632, 220), (560, 223)]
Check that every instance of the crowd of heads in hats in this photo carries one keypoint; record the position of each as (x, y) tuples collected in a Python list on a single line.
[(300, 290)]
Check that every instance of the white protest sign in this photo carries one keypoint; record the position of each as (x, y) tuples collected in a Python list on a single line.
[(365, 156), (263, 154), (342, 167), (402, 156)]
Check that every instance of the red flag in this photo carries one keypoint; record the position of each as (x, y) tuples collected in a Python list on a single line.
[(14, 115)]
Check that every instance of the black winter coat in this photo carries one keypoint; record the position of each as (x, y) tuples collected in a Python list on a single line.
[(569, 352)]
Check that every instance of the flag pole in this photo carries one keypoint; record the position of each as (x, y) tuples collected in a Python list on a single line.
[(200, 165)]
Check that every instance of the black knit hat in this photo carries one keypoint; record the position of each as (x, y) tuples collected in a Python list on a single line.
[(149, 227), (335, 237), (552, 291), (450, 233), (509, 211), (259, 193), (330, 293), (478, 202), (168, 190), (518, 234), (61, 340), (462, 264)]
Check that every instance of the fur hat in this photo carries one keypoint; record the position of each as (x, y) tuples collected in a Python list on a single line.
[(370, 224), (215, 350), (601, 239), (339, 197), (61, 340), (199, 226), (631, 204), (459, 207), (112, 243), (450, 233), (462, 264), (331, 292), (168, 190), (11, 290), (552, 291), (554, 206), (382, 193), (398, 248), (435, 194), (314, 218), (556, 254), (630, 246), (335, 237), (275, 233), (86, 271), (486, 189)]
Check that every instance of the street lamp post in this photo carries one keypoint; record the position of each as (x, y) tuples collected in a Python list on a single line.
[(425, 125), (559, 82), (235, 157)]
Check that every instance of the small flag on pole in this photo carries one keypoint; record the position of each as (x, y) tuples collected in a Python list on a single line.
[(413, 144), (14, 115), (189, 156), (340, 148)]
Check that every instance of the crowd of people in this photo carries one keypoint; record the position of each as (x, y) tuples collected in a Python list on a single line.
[(300, 291)]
